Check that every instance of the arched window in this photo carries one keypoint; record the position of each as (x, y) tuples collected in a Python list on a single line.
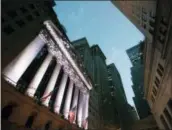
[(30, 120), (47, 125), (7, 111)]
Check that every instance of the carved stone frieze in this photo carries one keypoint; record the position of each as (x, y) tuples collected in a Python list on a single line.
[(61, 59)]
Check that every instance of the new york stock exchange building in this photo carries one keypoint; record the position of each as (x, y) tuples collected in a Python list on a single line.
[(44, 87)]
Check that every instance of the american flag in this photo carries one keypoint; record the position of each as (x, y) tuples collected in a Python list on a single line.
[(44, 98), (84, 123), (72, 114)]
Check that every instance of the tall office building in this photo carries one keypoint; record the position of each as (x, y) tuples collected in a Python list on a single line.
[(100, 79), (84, 51), (115, 95), (137, 72), (43, 84), (140, 13), (114, 79), (123, 112)]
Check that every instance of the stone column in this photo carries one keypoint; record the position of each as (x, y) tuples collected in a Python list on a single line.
[(68, 100), (75, 101), (86, 108), (38, 76), (80, 109), (51, 84), (18, 66), (60, 93)]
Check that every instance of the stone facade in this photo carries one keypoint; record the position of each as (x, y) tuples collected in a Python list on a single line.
[(158, 67)]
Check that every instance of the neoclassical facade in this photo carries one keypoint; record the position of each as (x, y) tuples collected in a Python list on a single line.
[(46, 71)]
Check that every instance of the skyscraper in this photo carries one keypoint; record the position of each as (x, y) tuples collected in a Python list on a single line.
[(100, 79), (123, 112), (137, 72), (114, 79)]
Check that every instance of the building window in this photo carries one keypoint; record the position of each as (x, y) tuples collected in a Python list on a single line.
[(23, 10), (153, 99), (12, 14), (168, 116), (144, 25), (144, 18), (8, 29), (154, 91), (151, 31), (161, 68), (20, 23), (170, 105), (47, 125), (151, 23), (164, 21), (144, 10), (164, 123), (162, 30), (7, 111), (29, 18), (30, 120), (157, 85), (36, 13), (161, 39), (159, 72), (157, 80), (31, 6), (152, 14)]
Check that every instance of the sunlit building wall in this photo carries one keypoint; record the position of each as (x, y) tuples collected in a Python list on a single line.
[(159, 84)]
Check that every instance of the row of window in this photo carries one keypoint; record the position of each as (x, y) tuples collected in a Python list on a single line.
[(8, 29), (7, 111), (162, 30), (166, 118), (13, 15), (160, 71)]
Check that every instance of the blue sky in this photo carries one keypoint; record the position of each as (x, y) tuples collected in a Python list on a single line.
[(103, 24)]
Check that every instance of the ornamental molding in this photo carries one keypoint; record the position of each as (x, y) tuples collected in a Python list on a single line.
[(54, 49)]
